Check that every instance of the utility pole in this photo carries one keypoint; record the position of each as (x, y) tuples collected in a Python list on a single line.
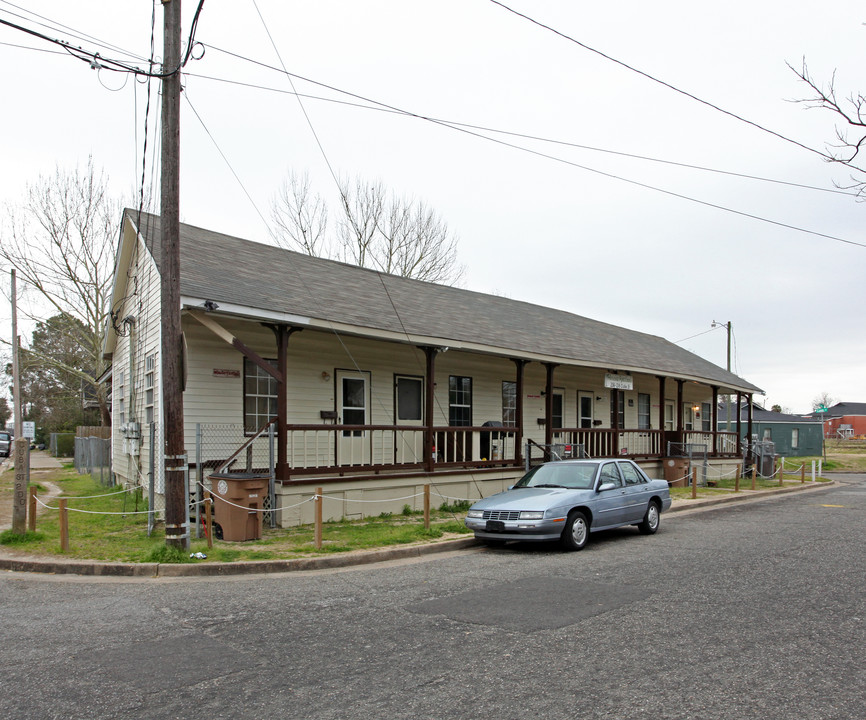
[(21, 445), (176, 531), (728, 367)]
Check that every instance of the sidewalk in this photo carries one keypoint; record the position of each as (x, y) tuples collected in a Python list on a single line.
[(21, 562)]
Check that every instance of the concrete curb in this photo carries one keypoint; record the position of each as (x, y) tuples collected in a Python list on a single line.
[(361, 557)]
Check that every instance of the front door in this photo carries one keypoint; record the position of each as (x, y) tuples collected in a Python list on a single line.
[(408, 410), (353, 408)]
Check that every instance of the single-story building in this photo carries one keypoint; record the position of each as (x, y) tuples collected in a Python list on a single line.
[(375, 385), (792, 435), (844, 420)]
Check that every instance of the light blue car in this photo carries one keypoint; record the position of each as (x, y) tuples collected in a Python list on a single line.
[(568, 500)]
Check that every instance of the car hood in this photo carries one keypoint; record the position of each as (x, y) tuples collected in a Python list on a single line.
[(532, 498)]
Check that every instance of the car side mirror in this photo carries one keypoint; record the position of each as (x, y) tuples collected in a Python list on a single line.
[(606, 486)]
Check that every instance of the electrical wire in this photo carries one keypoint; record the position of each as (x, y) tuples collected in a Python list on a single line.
[(477, 134), (511, 133), (97, 61), (657, 80)]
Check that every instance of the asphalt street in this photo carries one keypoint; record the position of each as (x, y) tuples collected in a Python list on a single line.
[(752, 610)]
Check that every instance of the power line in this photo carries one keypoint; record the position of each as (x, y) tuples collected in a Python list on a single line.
[(657, 80), (511, 133), (474, 133)]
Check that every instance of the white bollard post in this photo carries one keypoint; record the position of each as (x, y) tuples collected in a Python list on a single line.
[(813, 471)]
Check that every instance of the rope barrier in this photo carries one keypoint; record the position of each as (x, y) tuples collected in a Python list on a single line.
[(92, 512), (91, 497)]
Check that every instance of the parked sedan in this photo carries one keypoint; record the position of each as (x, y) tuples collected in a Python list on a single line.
[(568, 500)]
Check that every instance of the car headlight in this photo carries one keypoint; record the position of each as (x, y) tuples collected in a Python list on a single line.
[(475, 514), (532, 515)]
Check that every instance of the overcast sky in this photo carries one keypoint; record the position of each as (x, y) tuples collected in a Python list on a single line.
[(594, 233)]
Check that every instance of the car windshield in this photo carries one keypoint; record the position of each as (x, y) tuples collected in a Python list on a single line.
[(577, 476)]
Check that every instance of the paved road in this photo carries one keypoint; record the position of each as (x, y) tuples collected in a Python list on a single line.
[(745, 611)]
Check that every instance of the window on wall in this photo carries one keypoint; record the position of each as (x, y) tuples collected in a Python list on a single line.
[(509, 403), (149, 365), (768, 433), (706, 417), (643, 411), (459, 401), (260, 395), (795, 438), (121, 398), (558, 412)]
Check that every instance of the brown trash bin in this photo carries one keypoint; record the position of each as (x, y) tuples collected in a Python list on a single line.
[(238, 503), (675, 471)]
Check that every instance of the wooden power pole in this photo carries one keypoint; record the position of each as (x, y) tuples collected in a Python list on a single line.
[(176, 532), (21, 445)]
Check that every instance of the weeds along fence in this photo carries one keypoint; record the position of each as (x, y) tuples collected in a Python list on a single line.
[(93, 457)]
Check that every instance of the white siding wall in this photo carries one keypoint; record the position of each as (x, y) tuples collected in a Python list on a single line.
[(139, 340)]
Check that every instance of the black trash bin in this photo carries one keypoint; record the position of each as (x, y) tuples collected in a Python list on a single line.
[(238, 503)]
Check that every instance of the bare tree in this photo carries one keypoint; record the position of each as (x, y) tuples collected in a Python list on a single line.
[(375, 229), (822, 400), (300, 218), (61, 241), (850, 136)]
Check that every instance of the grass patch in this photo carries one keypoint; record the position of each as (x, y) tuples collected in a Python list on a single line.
[(7, 537), (115, 530)]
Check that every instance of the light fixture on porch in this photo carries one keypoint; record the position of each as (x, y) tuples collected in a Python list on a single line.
[(325, 376)]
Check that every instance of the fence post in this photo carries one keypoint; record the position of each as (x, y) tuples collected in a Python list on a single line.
[(64, 525), (694, 474), (31, 510), (802, 472), (151, 479), (426, 507), (754, 474), (318, 519), (813, 471), (737, 479), (781, 470)]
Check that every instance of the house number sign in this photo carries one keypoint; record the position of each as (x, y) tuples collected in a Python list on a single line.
[(618, 382)]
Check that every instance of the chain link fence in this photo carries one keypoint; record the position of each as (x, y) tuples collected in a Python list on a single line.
[(93, 456), (231, 448)]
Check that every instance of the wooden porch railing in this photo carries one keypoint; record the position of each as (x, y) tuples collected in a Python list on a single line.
[(321, 449)]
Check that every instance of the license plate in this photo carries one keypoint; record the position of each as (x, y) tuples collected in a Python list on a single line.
[(495, 526)]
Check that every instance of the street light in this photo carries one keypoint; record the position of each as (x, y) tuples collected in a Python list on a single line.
[(727, 397)]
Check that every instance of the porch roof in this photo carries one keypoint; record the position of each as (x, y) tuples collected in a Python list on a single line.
[(266, 282)]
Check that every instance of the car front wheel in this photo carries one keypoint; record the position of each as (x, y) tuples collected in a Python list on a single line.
[(650, 522), (576, 532)]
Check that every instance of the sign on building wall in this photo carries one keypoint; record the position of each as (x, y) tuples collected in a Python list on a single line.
[(618, 382)]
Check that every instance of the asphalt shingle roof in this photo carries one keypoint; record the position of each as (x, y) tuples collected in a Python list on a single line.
[(227, 269)]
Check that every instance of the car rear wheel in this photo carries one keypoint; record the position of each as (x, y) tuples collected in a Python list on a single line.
[(576, 532), (651, 519)]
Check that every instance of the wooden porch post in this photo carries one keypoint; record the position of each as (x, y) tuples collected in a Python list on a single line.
[(282, 333), (429, 386), (614, 419), (714, 419), (680, 419), (548, 404), (520, 366), (749, 428), (663, 448)]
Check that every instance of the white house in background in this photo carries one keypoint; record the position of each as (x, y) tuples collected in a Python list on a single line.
[(376, 385)]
